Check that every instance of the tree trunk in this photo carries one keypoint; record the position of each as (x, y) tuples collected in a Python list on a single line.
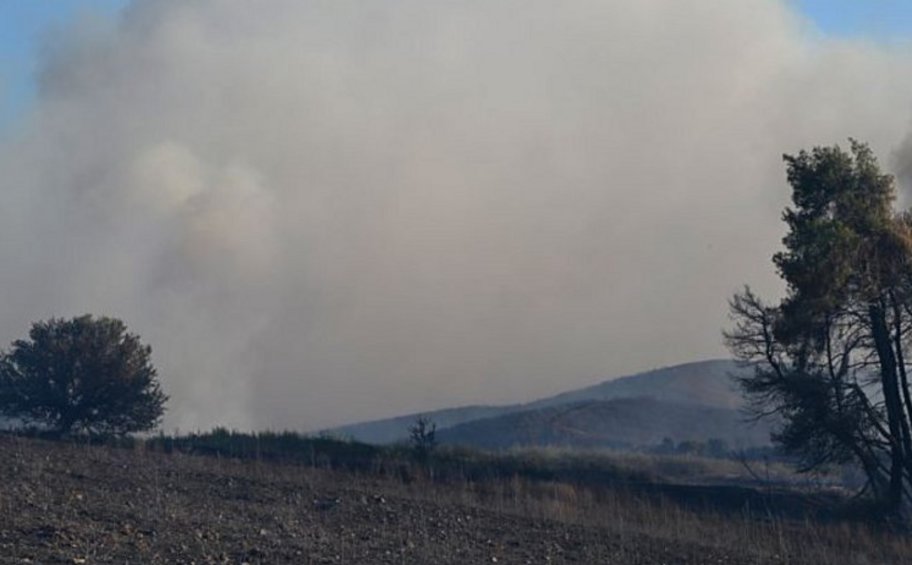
[(903, 378), (895, 417)]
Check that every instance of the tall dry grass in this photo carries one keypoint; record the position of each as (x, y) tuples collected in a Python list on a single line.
[(635, 519)]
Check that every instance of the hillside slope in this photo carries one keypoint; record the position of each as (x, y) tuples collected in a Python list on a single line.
[(616, 423), (702, 383), (77, 503), (706, 383)]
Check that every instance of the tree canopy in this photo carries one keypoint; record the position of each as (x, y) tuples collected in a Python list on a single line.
[(84, 374), (831, 358)]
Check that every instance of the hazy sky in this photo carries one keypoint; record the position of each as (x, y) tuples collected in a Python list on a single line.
[(320, 212)]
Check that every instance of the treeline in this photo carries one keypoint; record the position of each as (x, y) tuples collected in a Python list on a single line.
[(717, 448)]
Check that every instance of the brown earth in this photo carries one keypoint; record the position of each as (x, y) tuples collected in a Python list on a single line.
[(65, 503)]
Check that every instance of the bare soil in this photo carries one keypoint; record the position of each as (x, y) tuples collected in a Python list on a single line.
[(64, 503)]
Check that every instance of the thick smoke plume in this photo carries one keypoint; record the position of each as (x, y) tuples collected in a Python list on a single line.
[(317, 212)]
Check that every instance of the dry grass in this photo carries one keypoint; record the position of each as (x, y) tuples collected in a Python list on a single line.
[(682, 468), (754, 535)]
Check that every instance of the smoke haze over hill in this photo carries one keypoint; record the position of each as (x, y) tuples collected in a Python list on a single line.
[(320, 212)]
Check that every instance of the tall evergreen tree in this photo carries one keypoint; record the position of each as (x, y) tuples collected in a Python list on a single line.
[(831, 358)]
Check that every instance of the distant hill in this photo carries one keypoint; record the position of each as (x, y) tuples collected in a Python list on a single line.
[(703, 384), (707, 383), (616, 423), (391, 430)]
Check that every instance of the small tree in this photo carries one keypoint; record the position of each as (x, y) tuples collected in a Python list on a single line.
[(81, 375), (423, 437)]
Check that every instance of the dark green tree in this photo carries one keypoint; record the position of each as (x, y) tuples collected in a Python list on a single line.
[(83, 375), (830, 360)]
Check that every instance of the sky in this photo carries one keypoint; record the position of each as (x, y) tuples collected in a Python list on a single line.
[(873, 19), (23, 26), (318, 212)]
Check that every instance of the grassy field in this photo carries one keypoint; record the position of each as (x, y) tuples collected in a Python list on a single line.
[(151, 502)]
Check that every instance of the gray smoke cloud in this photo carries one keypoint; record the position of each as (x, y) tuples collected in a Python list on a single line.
[(319, 212)]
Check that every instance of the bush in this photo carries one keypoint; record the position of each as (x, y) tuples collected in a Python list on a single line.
[(81, 375)]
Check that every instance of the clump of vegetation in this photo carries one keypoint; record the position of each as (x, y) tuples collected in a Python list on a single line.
[(85, 374)]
